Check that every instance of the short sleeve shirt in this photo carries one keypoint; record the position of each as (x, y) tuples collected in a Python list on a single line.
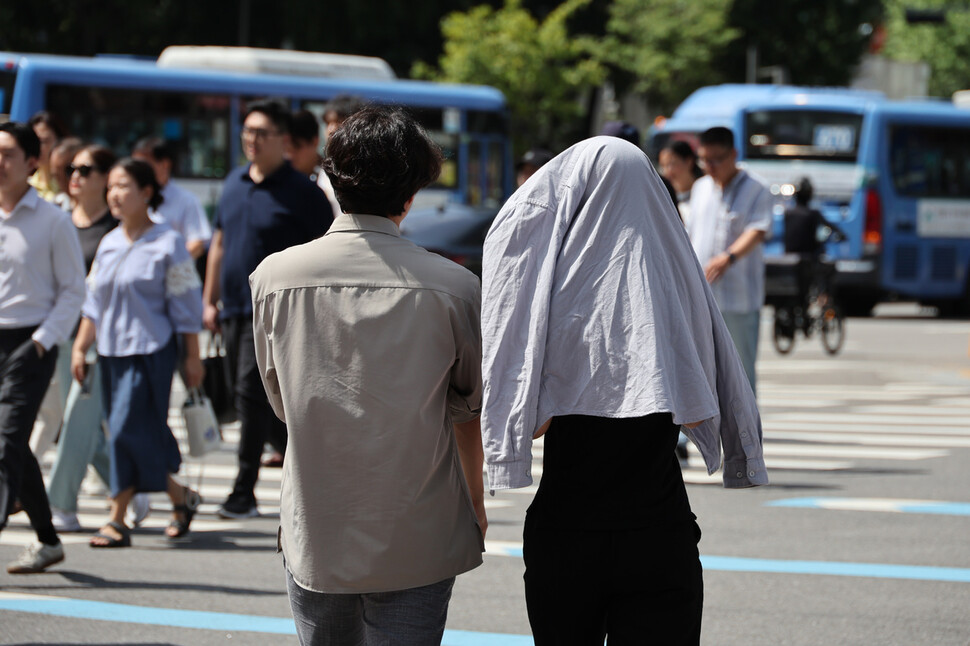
[(182, 211), (256, 220), (717, 218)]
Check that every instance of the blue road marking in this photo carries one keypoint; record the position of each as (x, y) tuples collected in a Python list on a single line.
[(831, 568), (895, 506), (225, 622)]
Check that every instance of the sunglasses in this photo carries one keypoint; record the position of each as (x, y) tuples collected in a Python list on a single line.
[(84, 170)]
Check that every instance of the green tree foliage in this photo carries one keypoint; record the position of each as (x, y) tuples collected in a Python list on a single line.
[(666, 48), (542, 70), (945, 46), (819, 42)]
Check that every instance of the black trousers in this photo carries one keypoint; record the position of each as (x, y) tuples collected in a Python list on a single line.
[(24, 378), (636, 587), (258, 423)]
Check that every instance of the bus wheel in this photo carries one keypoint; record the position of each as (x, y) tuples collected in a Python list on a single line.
[(784, 331), (832, 325)]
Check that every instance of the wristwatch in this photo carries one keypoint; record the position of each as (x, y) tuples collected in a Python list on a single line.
[(731, 258)]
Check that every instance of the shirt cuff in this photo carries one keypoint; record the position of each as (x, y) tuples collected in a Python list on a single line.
[(509, 475), (745, 473), (44, 337)]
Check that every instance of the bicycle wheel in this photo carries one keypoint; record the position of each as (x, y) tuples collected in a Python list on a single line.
[(784, 331), (832, 325)]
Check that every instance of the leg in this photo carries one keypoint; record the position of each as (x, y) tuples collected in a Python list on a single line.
[(744, 328), (24, 378), (413, 617), (185, 503), (564, 585), (325, 619), (657, 587), (81, 437), (256, 418)]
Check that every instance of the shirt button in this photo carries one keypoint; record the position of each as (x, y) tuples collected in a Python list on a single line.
[(740, 474), (744, 434), (751, 473)]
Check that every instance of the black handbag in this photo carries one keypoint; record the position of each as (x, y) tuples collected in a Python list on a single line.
[(216, 384)]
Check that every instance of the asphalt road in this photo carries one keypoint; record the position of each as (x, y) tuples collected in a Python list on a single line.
[(863, 537)]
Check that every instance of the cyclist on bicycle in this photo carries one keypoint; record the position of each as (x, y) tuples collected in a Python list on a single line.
[(802, 226)]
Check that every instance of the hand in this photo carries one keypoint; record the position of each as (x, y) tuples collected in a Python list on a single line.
[(40, 348), (79, 365), (193, 372), (716, 267), (210, 318), (542, 429)]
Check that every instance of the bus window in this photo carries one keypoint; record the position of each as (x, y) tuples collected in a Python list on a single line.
[(7, 79), (494, 192), (433, 121), (475, 173), (802, 134), (198, 124), (930, 161)]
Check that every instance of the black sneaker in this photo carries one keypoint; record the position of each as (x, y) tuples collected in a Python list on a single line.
[(238, 509)]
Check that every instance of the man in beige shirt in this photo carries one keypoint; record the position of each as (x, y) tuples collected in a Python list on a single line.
[(370, 350)]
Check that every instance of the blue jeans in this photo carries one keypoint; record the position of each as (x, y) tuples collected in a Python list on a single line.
[(82, 442), (413, 617), (743, 327)]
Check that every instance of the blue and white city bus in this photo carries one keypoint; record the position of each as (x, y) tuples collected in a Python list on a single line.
[(893, 175), (195, 100)]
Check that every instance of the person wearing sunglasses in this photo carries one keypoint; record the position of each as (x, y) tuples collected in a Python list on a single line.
[(730, 215), (81, 441)]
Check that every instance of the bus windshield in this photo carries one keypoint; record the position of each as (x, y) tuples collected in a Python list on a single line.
[(802, 134)]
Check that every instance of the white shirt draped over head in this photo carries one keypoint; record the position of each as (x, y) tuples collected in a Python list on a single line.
[(594, 303)]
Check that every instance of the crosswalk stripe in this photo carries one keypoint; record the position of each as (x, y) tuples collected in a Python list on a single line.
[(870, 452), (874, 439), (917, 421), (851, 425)]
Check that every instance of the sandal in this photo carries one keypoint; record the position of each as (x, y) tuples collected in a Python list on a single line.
[(111, 541), (185, 512)]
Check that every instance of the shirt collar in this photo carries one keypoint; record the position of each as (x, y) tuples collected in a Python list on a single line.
[(373, 223), (275, 176), (28, 201)]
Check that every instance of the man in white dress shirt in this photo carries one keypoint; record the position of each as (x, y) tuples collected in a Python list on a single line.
[(41, 292), (181, 210)]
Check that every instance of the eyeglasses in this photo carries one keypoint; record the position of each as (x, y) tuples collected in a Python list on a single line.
[(709, 162), (83, 170), (257, 133)]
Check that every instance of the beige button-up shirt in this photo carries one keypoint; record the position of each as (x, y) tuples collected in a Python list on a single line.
[(370, 349)]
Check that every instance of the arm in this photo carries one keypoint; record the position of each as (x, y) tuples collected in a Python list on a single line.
[(195, 248), (68, 270), (82, 343), (192, 371), (211, 292), (741, 247), (469, 437)]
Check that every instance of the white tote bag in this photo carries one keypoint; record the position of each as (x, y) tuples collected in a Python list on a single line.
[(201, 424)]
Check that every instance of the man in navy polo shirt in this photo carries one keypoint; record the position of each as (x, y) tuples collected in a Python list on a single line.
[(266, 206)]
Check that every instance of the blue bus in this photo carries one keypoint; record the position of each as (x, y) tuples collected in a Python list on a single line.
[(893, 175), (116, 100)]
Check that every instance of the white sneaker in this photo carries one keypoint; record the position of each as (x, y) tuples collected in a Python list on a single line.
[(36, 558), (65, 522), (139, 509)]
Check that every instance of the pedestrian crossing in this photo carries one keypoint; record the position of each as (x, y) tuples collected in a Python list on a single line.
[(807, 428)]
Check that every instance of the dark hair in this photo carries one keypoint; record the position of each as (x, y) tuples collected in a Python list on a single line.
[(144, 175), (69, 145), (24, 135), (157, 147), (804, 191), (274, 111), (50, 120), (103, 158), (378, 159), (683, 150), (718, 136), (343, 105), (623, 130), (304, 126)]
